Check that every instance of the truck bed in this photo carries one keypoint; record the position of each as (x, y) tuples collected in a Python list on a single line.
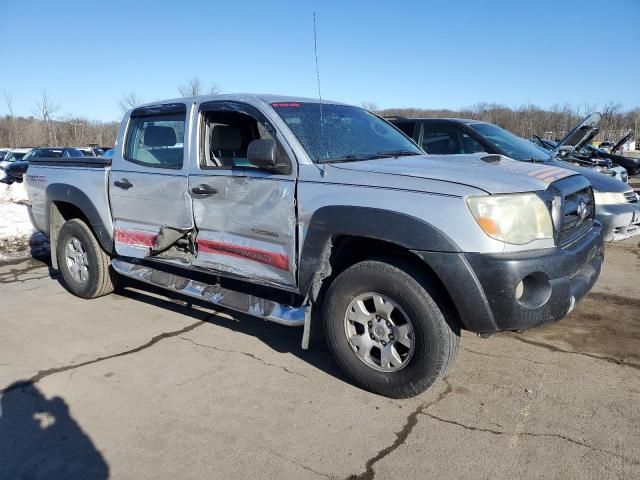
[(80, 181)]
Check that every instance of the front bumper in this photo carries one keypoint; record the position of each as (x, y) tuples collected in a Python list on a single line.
[(619, 221), (483, 287)]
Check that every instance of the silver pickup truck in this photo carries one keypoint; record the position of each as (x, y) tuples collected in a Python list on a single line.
[(326, 216)]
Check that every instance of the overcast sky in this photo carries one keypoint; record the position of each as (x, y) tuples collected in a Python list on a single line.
[(442, 54)]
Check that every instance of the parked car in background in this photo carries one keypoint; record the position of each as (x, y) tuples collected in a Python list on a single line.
[(619, 145), (298, 212), (90, 151), (587, 157), (616, 155), (4, 152), (570, 149), (588, 151), (617, 206), (108, 153), (13, 155), (606, 146), (86, 152), (16, 169), (12, 164), (631, 165)]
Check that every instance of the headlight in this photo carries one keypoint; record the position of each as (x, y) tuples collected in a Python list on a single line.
[(515, 218), (609, 198)]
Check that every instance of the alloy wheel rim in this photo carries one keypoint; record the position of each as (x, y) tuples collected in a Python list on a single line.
[(379, 332), (77, 261)]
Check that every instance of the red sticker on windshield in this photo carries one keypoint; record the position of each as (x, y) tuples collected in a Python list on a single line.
[(285, 104)]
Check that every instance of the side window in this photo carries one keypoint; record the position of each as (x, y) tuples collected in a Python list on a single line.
[(156, 141), (470, 145), (408, 128), (228, 134), (441, 140)]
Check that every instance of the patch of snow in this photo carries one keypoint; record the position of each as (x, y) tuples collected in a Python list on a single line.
[(17, 236), (16, 193)]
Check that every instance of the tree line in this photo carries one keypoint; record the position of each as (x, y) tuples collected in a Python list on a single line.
[(44, 128)]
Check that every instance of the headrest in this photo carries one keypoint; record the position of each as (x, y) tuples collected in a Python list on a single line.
[(225, 137), (156, 136)]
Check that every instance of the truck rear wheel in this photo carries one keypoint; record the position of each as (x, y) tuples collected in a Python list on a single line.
[(84, 265), (385, 329)]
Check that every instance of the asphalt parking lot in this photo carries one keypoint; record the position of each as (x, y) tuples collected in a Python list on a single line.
[(137, 385)]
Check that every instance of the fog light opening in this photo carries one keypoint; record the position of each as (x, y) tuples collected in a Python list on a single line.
[(533, 291)]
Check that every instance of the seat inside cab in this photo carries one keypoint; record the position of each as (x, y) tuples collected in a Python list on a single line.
[(227, 138)]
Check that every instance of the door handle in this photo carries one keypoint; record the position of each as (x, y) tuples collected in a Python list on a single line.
[(204, 190), (123, 183)]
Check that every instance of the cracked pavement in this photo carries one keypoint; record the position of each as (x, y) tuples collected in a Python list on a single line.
[(139, 385)]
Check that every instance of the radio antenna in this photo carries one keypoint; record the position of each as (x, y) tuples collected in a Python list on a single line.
[(315, 51)]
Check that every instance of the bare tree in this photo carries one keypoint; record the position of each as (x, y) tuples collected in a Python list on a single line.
[(195, 87), (192, 88), (13, 131), (371, 106), (45, 109), (129, 101)]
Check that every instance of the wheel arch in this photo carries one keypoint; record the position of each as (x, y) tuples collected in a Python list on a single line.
[(65, 202), (340, 236)]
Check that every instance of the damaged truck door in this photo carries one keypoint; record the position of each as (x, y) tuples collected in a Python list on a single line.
[(244, 209), (150, 204)]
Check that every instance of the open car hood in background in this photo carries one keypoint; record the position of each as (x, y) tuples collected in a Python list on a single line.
[(582, 134), (621, 142)]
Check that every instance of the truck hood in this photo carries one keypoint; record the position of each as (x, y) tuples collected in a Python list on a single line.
[(491, 173)]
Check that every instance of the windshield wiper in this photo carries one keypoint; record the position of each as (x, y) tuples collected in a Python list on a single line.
[(397, 153), (355, 157), (348, 158)]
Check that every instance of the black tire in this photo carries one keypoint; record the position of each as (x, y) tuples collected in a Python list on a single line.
[(436, 334), (101, 278)]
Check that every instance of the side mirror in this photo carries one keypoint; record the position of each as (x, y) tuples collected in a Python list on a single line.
[(263, 153)]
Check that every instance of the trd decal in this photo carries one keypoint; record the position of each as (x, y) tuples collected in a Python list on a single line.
[(136, 238), (36, 179), (277, 260)]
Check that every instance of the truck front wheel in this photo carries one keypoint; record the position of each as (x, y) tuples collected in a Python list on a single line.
[(85, 267), (385, 330)]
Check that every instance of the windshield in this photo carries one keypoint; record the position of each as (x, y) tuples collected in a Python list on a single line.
[(515, 147), (14, 156), (345, 133)]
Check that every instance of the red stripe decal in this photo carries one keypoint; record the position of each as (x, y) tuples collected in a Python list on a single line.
[(136, 238), (277, 260)]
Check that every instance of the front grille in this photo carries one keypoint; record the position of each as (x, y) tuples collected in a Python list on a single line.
[(577, 209), (631, 196)]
